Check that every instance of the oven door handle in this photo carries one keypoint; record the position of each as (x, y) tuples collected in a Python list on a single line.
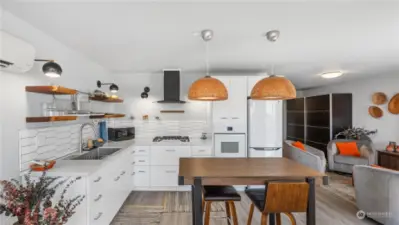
[(266, 149)]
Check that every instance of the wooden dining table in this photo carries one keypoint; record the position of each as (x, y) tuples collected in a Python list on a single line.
[(198, 172)]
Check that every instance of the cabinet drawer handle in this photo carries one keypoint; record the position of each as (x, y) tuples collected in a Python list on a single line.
[(133, 152), (98, 216), (202, 150), (170, 150), (98, 180), (141, 150), (141, 171), (223, 118), (123, 173), (133, 163), (170, 171), (133, 173), (141, 160), (235, 118), (117, 178), (98, 198)]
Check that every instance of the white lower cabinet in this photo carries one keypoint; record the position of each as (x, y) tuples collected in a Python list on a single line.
[(201, 151), (168, 155), (164, 176), (137, 168), (141, 176)]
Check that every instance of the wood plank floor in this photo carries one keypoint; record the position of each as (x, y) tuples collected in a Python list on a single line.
[(145, 208)]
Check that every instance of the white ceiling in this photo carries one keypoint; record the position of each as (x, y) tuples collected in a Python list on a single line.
[(358, 37)]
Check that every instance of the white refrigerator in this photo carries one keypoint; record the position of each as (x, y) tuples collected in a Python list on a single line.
[(265, 128)]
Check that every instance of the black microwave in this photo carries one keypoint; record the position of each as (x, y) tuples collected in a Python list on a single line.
[(121, 134)]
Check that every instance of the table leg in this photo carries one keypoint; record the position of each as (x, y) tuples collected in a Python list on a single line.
[(193, 203), (311, 211), (272, 219), (197, 201)]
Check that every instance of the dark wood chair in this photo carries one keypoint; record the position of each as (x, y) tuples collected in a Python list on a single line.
[(227, 194), (279, 197)]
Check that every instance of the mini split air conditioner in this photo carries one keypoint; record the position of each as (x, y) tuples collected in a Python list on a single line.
[(16, 55)]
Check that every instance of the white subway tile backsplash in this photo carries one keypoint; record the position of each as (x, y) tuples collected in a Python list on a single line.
[(29, 157), (28, 149), (145, 129), (28, 141), (55, 142), (49, 142), (27, 133), (63, 141), (63, 134), (46, 149), (41, 140)]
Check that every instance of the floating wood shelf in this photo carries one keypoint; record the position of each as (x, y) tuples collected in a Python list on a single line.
[(172, 111), (49, 119), (52, 90), (107, 116), (106, 99)]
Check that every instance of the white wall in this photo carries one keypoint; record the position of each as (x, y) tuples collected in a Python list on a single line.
[(15, 104), (362, 90), (133, 85)]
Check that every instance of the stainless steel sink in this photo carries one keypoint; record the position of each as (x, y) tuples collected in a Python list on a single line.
[(96, 154)]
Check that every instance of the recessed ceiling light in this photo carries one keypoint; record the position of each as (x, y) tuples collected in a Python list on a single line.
[(330, 75)]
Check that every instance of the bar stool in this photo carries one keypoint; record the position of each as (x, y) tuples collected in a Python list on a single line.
[(279, 197), (227, 194)]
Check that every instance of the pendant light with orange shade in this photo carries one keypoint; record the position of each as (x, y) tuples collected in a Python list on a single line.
[(207, 88), (273, 87)]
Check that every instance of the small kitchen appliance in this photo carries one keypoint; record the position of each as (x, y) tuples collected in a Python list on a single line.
[(121, 134)]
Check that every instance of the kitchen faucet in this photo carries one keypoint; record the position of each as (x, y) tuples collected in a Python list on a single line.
[(81, 134)]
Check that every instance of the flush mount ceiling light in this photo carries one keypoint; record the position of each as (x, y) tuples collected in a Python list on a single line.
[(50, 68), (112, 87), (207, 88), (330, 75), (273, 87)]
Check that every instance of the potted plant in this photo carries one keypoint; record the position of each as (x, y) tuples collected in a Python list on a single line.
[(356, 133), (32, 200)]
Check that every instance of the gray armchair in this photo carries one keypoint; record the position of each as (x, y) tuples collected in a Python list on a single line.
[(377, 193), (345, 164), (312, 157)]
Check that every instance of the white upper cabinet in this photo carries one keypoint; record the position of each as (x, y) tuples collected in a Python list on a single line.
[(231, 115)]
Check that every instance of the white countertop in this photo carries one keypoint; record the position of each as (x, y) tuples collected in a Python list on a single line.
[(87, 167)]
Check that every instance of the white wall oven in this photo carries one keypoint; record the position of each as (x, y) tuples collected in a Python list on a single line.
[(230, 145)]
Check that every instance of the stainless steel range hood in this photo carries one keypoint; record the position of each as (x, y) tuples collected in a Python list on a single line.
[(171, 87)]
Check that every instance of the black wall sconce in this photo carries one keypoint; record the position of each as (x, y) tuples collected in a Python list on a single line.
[(50, 68), (145, 93), (112, 87)]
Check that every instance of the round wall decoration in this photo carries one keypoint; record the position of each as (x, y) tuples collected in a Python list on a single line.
[(393, 106), (375, 112), (379, 98)]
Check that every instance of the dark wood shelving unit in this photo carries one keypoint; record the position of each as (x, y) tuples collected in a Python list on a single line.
[(296, 119), (106, 99), (44, 119), (316, 120), (51, 90)]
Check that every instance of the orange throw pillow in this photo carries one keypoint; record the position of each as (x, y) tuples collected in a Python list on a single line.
[(348, 149), (299, 145)]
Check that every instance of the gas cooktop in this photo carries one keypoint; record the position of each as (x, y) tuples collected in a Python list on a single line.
[(171, 138)]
